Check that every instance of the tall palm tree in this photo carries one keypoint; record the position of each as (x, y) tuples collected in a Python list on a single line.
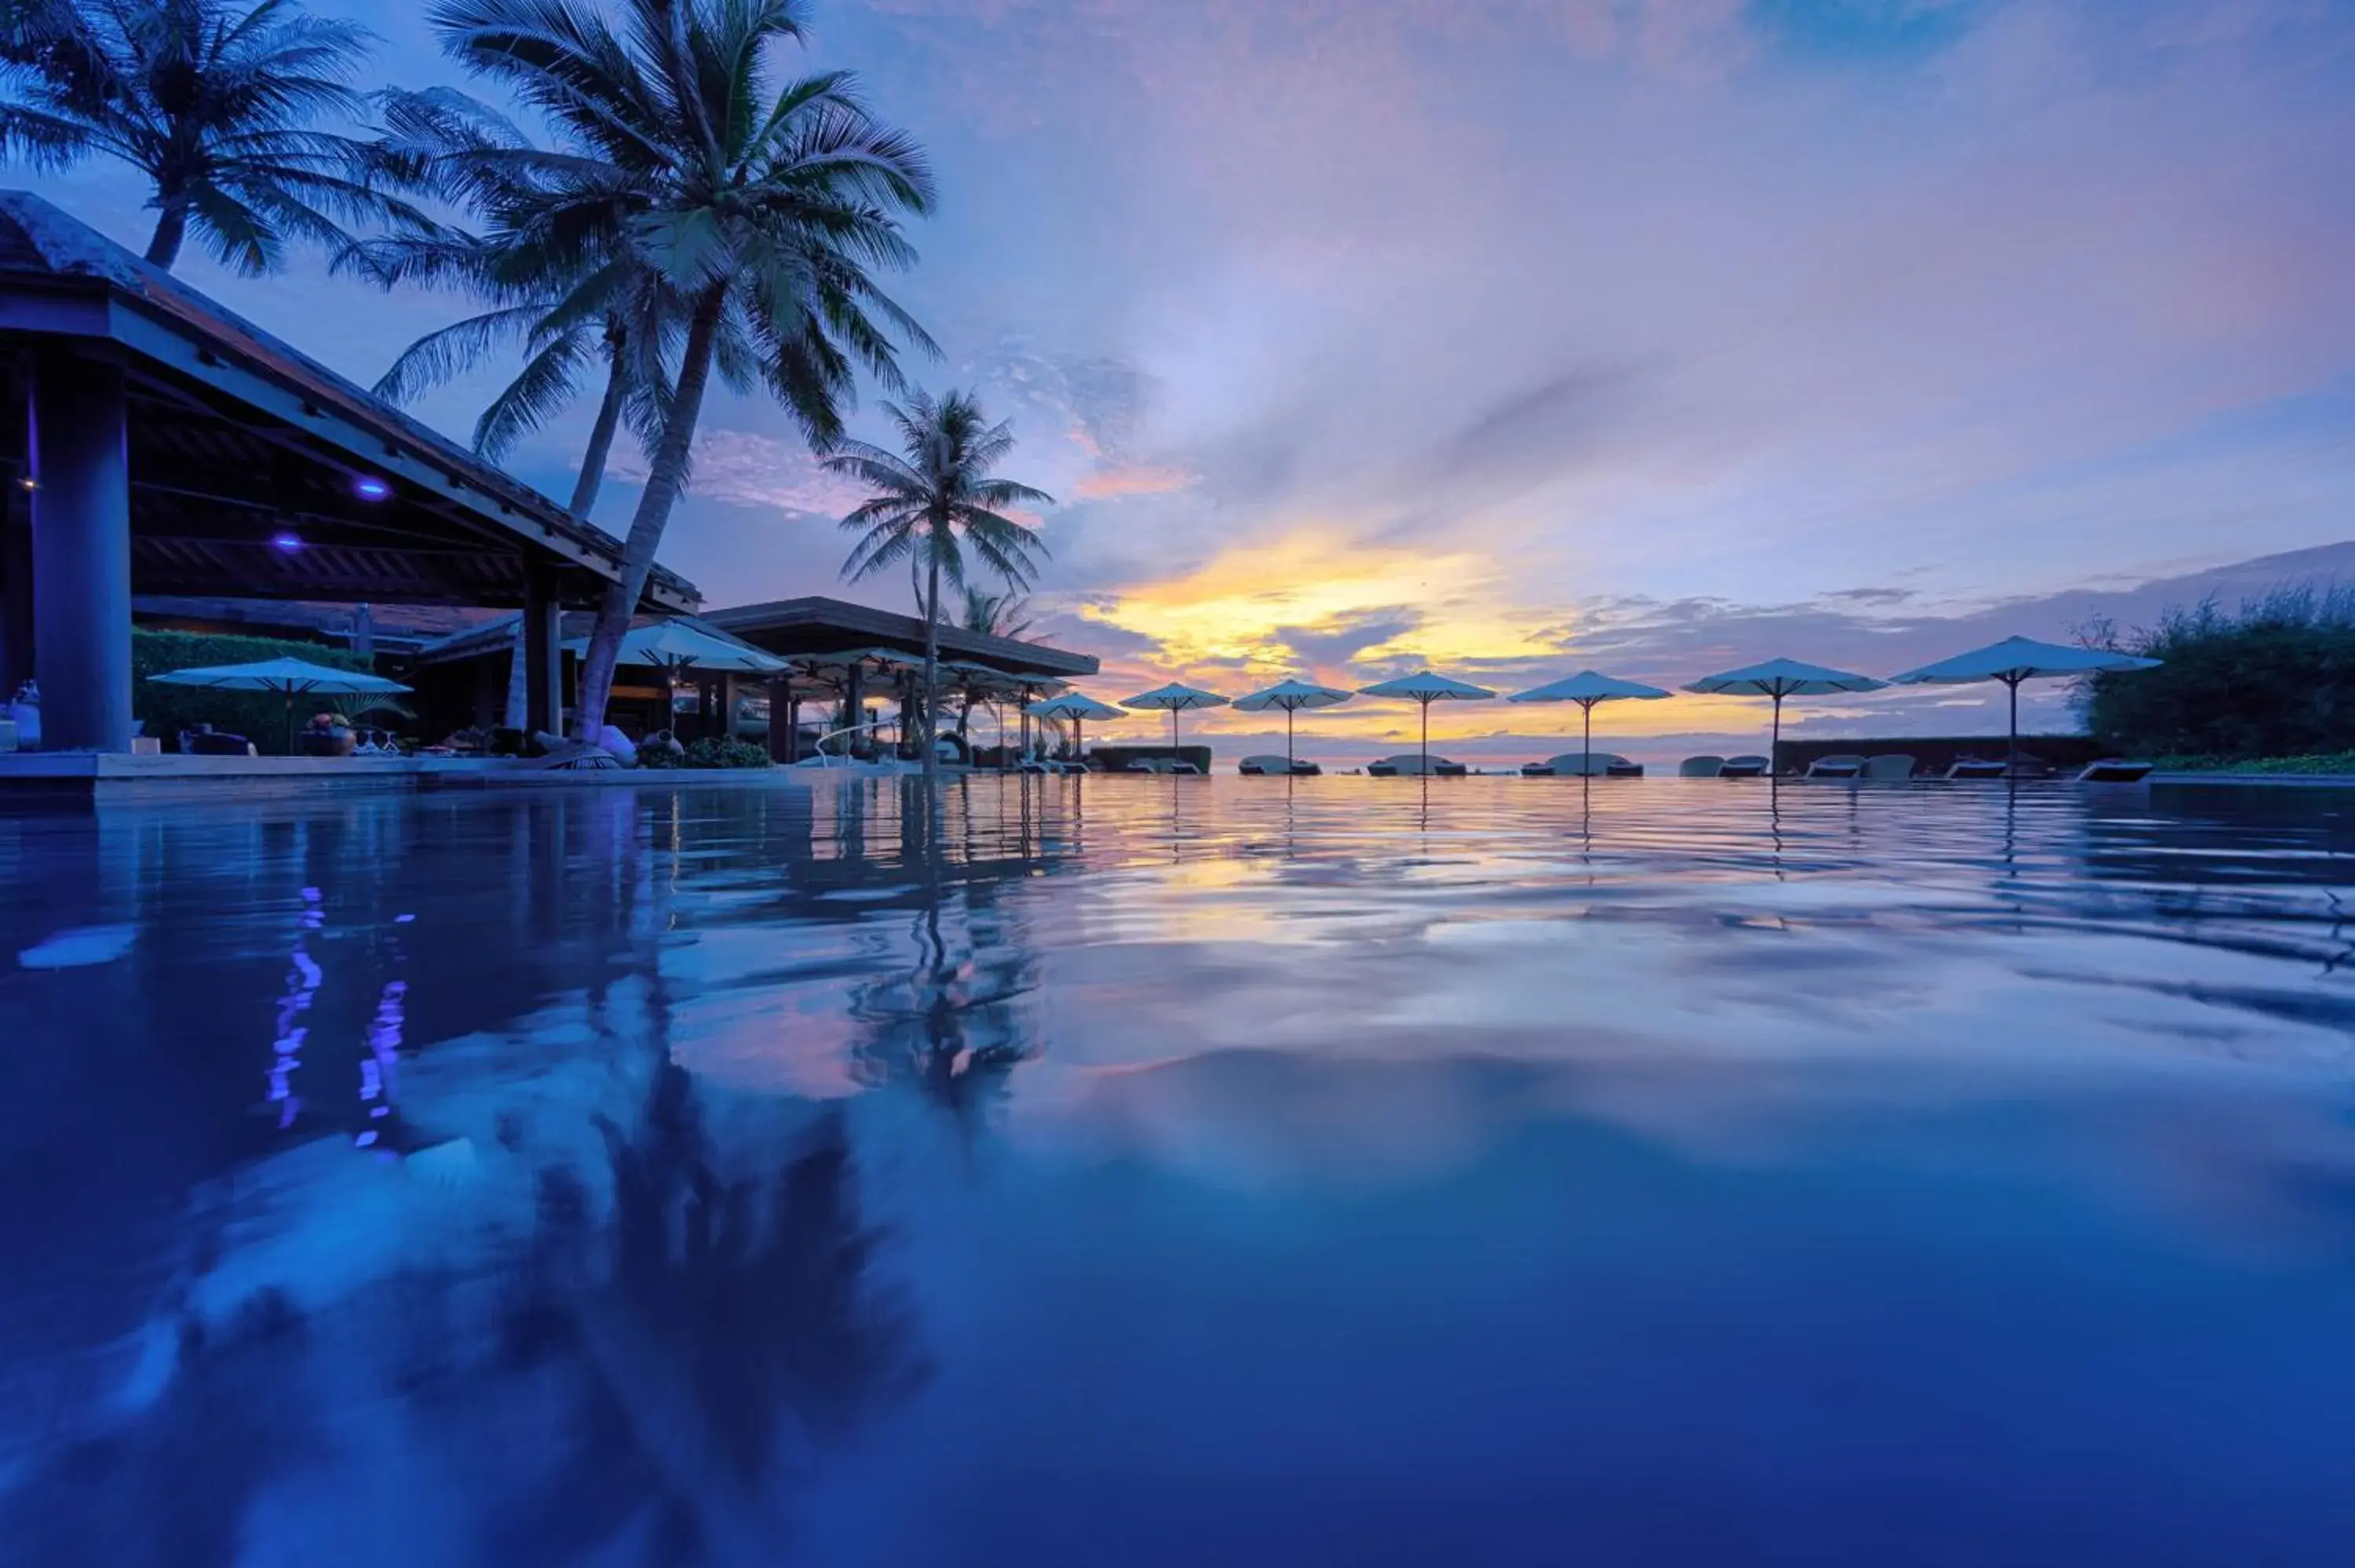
[(216, 102), (760, 208), (991, 614), (933, 500), (613, 319)]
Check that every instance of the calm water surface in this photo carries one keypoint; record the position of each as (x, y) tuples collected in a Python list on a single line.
[(1169, 1172)]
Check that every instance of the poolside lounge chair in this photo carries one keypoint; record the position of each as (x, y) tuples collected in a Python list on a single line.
[(1188, 769), (1304, 769), (1701, 768), (1412, 764), (1841, 764), (1893, 765), (560, 755), (203, 740), (1977, 768), (1264, 766), (1744, 766), (2114, 770)]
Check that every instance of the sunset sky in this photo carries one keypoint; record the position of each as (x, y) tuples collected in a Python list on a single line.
[(1518, 336)]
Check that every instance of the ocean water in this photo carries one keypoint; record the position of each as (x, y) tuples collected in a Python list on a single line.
[(1159, 1171)]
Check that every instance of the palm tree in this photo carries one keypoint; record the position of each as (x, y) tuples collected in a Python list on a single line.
[(1004, 614), (933, 500), (759, 209), (616, 319), (215, 103)]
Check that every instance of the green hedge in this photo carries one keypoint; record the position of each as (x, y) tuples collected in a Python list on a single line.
[(2274, 680), (711, 752), (257, 715)]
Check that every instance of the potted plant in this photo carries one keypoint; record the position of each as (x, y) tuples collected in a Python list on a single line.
[(327, 735)]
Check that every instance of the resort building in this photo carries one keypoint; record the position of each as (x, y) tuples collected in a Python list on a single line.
[(158, 444)]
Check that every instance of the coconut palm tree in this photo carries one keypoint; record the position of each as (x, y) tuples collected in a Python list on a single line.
[(933, 500), (760, 208), (615, 321), (1004, 614), (217, 103)]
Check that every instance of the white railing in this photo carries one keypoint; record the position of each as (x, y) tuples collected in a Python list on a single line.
[(825, 759)]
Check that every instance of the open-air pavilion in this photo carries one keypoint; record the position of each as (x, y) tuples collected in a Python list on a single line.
[(844, 654), (842, 658), (156, 443)]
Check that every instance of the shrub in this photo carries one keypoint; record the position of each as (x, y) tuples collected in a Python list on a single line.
[(2275, 678), (259, 717), (709, 752)]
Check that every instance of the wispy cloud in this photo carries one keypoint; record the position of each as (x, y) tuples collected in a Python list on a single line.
[(744, 468)]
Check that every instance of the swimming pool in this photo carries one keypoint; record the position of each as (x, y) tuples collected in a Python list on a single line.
[(1152, 1170)]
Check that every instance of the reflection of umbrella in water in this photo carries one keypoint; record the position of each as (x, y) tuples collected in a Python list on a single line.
[(1077, 708), (2017, 659), (1780, 678), (1291, 696), (1176, 699), (1586, 688), (1425, 688), (290, 677)]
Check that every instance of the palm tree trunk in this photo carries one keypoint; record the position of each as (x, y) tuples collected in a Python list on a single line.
[(932, 667), (600, 434), (662, 484), (164, 246)]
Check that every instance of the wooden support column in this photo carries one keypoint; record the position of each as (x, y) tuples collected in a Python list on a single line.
[(543, 652), (81, 552)]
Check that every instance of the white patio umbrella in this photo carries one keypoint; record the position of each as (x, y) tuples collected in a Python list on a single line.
[(1176, 699), (1780, 678), (291, 677), (1079, 708), (674, 646), (1291, 696), (1587, 688), (1426, 688), (2017, 659)]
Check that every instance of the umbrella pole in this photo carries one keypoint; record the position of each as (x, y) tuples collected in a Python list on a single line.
[(1289, 714), (1586, 756), (2011, 752), (290, 721), (1426, 738), (1173, 736), (1775, 746)]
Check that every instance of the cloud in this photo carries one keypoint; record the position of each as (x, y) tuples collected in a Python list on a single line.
[(1117, 480), (744, 468)]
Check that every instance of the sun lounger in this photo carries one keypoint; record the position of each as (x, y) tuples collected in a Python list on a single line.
[(1888, 767), (1702, 767), (1264, 766), (1743, 768), (2115, 771), (1186, 767), (1842, 765), (1977, 768)]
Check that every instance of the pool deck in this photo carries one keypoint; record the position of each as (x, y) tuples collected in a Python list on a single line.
[(86, 775)]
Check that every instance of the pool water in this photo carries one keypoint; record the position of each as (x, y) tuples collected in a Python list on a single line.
[(1172, 1172)]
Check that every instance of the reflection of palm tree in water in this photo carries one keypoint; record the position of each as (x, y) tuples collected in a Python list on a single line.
[(732, 1328), (953, 1022)]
